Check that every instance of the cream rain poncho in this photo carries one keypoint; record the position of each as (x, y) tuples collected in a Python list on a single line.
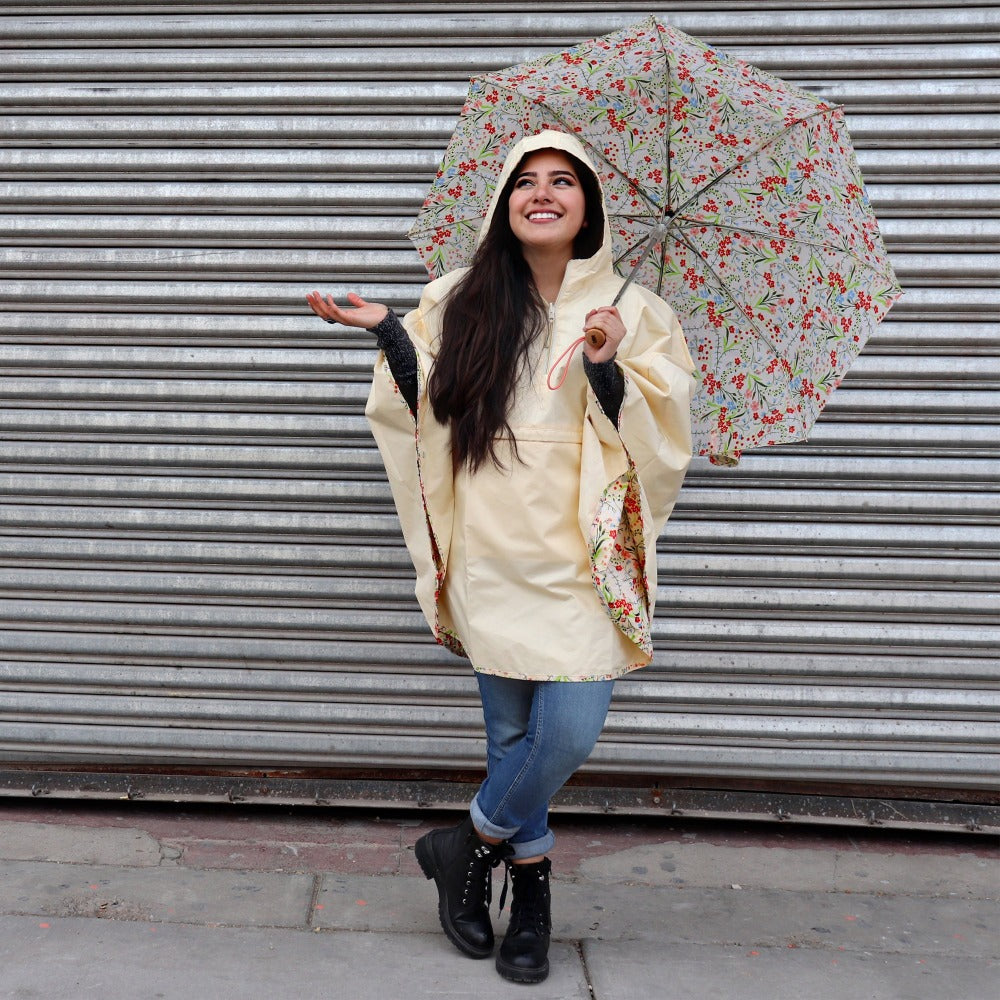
[(546, 569)]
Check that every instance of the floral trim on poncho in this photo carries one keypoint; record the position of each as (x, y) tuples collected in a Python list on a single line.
[(618, 559), (445, 636)]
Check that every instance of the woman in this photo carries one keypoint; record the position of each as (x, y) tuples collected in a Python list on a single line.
[(531, 512)]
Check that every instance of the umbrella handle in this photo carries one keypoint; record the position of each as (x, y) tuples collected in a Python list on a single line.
[(595, 338)]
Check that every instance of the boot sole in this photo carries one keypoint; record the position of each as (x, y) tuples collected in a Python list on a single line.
[(515, 975), (430, 868)]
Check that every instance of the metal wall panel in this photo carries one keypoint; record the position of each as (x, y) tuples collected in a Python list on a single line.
[(200, 565)]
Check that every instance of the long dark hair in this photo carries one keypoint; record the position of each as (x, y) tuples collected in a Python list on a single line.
[(490, 320)]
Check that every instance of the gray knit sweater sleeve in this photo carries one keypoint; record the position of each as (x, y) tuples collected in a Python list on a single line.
[(608, 383), (399, 352)]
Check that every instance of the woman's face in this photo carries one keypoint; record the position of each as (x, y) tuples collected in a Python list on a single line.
[(547, 206)]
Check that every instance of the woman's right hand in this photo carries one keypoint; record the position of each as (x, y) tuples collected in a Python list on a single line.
[(362, 314)]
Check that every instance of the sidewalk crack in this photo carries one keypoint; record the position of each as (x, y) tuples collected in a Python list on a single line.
[(586, 970), (317, 888)]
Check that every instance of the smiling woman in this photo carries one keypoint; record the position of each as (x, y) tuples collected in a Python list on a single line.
[(547, 210), (530, 510)]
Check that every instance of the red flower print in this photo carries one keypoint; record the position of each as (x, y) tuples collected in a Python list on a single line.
[(694, 280)]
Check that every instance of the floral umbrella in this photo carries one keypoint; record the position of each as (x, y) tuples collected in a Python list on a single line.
[(763, 238)]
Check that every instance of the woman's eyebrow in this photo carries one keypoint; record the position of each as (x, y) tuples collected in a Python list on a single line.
[(551, 173)]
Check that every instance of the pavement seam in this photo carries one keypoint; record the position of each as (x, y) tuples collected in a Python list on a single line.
[(317, 889), (587, 978)]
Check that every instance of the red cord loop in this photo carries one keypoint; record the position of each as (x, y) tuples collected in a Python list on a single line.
[(568, 356)]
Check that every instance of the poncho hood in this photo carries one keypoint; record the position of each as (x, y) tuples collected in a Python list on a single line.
[(601, 261)]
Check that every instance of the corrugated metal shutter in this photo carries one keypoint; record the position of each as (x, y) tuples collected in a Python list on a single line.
[(199, 560)]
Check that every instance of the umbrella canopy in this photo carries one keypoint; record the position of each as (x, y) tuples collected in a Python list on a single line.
[(763, 238)]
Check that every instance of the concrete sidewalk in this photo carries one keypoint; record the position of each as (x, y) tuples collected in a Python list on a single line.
[(122, 901)]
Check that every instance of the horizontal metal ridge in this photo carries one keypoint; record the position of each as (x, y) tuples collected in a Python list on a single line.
[(399, 165), (897, 336), (178, 471), (379, 668), (366, 234), (896, 724), (352, 530), (767, 585), (193, 263), (706, 653), (837, 58), (691, 754), (269, 365), (709, 498), (740, 693), (257, 603), (386, 198), (882, 473), (449, 27), (429, 131), (240, 298), (910, 428), (390, 97)]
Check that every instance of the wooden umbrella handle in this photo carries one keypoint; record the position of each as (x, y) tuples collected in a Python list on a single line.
[(595, 338)]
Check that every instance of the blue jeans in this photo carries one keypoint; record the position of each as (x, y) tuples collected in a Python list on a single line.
[(537, 734)]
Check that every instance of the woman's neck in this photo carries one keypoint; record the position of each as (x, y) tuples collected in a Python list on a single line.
[(547, 271)]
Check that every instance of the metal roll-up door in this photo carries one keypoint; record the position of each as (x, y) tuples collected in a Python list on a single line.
[(200, 565)]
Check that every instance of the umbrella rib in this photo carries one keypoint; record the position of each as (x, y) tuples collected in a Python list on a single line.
[(666, 90), (797, 240), (753, 154), (679, 235)]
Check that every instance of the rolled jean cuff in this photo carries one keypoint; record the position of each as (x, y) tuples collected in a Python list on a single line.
[(524, 849)]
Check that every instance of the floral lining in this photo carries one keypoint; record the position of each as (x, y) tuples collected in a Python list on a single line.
[(618, 559)]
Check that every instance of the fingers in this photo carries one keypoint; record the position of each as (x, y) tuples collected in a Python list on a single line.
[(608, 320), (324, 308), (360, 313), (604, 312)]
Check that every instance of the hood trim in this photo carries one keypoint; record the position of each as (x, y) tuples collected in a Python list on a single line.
[(566, 143)]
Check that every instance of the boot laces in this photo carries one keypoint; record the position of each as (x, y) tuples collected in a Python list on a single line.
[(529, 908), (482, 861)]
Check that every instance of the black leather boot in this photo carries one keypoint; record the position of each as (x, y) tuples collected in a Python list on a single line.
[(523, 956), (462, 866)]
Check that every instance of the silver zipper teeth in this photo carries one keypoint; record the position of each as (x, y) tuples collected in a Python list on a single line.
[(548, 334)]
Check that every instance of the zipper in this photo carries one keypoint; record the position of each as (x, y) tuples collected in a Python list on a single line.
[(548, 334)]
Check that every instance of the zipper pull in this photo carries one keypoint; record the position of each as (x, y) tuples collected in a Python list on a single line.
[(548, 332)]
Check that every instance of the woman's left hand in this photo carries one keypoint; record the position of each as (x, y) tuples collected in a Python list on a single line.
[(608, 320)]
